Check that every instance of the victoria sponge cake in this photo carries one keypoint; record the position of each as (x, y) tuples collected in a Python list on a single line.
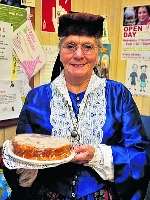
[(41, 147)]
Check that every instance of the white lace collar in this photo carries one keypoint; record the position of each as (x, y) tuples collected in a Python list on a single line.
[(92, 111)]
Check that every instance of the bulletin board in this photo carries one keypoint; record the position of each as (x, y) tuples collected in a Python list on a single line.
[(11, 18)]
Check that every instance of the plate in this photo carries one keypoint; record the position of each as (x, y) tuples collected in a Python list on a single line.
[(51, 163)]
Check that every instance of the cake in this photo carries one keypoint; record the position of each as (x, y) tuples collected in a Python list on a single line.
[(40, 147)]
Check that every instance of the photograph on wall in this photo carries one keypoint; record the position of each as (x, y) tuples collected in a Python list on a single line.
[(136, 32), (51, 10), (138, 77), (139, 15)]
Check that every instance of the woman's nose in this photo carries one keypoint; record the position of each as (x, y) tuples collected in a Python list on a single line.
[(79, 52)]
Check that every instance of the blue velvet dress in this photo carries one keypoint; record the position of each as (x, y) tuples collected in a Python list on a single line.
[(123, 131)]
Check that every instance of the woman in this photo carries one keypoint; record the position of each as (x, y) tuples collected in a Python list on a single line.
[(143, 15), (99, 116)]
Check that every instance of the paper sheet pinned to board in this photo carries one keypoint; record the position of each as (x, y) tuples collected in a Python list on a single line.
[(10, 99), (28, 49), (6, 31)]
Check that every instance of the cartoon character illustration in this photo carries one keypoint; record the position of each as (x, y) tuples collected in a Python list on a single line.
[(143, 77), (133, 76)]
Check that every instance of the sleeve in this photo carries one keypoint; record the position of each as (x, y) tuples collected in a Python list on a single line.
[(24, 125), (102, 162), (34, 116), (130, 157)]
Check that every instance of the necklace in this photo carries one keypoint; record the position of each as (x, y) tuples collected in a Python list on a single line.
[(75, 136), (76, 101)]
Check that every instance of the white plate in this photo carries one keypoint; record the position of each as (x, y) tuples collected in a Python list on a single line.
[(34, 162)]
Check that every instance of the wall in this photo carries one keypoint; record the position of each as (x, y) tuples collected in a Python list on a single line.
[(112, 9)]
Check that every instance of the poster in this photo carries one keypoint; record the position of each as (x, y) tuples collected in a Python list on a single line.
[(14, 85), (51, 10), (10, 100), (28, 49), (12, 96), (138, 77), (136, 33), (13, 15), (10, 19)]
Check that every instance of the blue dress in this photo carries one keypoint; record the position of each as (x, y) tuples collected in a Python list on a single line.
[(122, 130)]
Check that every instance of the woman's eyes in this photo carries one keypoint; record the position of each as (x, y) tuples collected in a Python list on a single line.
[(71, 46), (87, 46), (84, 46)]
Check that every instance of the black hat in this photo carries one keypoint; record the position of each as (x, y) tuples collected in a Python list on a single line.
[(80, 24)]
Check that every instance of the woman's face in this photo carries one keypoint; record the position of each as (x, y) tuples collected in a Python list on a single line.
[(142, 14), (79, 54)]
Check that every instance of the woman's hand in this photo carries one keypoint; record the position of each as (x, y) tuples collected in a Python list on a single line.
[(84, 153)]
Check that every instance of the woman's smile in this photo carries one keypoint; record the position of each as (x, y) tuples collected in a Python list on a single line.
[(78, 65)]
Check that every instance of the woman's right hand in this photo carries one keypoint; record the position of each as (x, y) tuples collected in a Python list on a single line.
[(84, 154)]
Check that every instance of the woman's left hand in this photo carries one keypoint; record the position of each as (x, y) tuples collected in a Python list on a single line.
[(84, 153)]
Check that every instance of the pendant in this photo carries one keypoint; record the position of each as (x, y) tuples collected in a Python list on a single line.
[(74, 133)]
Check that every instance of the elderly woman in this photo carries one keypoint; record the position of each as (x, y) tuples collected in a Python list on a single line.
[(99, 116)]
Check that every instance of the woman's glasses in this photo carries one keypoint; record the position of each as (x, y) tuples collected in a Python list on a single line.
[(86, 48)]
